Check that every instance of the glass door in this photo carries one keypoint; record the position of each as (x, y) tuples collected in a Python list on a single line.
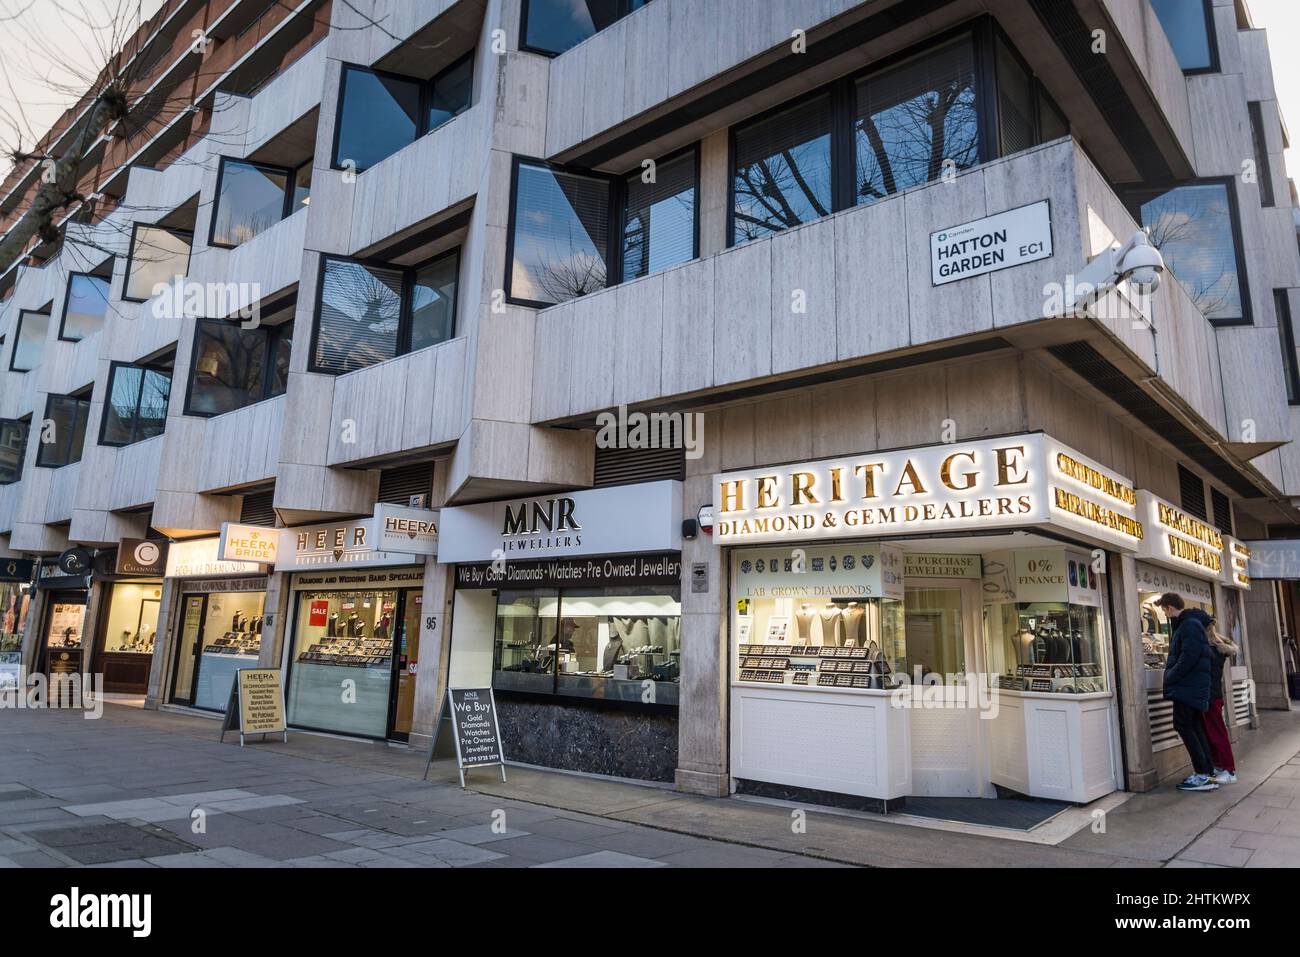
[(220, 633), (187, 649), (406, 658)]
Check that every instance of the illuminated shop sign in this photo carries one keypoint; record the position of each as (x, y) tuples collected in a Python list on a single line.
[(821, 572), (1178, 539), (1022, 480), (1236, 563)]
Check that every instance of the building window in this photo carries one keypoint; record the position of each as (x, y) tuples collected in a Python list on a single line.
[(782, 174), (553, 26), (659, 217), (234, 367), (63, 431), (29, 340), (380, 113), (1286, 333), (13, 448), (253, 197), (1196, 229), (559, 237), (84, 306), (1189, 24), (159, 256), (1263, 175), (136, 408), (368, 313)]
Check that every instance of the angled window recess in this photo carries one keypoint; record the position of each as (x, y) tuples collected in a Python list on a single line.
[(233, 366), (253, 197), (63, 429), (136, 406), (13, 448), (553, 26), (1189, 25), (159, 256), (85, 303), (30, 334)]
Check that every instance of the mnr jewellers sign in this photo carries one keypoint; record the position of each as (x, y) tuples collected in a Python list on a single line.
[(1022, 480), (574, 572)]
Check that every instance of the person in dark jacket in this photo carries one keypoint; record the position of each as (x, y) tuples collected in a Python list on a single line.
[(1187, 685)]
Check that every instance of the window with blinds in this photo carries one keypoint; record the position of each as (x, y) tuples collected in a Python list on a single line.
[(560, 234), (63, 431), (659, 217), (782, 173), (1016, 102), (358, 317), (1191, 492)]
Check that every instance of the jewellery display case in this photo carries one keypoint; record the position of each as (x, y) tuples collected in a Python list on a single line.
[(1052, 647)]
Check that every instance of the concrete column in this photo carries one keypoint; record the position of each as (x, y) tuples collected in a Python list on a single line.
[(1130, 675), (702, 758), (34, 632), (1266, 659), (275, 621), (435, 632), (715, 181), (164, 649)]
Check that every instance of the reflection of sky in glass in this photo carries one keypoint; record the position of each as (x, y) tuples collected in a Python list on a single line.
[(792, 184), (1184, 23), (555, 255), (251, 200), (1192, 228), (672, 232), (355, 294), (87, 304)]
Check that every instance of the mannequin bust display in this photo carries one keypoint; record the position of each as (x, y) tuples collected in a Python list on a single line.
[(1024, 646), (613, 651), (658, 630), (803, 619), (622, 628), (832, 626), (332, 627), (353, 621), (855, 625), (639, 633)]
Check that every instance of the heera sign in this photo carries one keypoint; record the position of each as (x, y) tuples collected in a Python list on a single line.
[(1022, 480), (1013, 238), (603, 521), (248, 543), (1236, 563), (198, 559), (334, 545), (1179, 540), (410, 531), (821, 572), (141, 556)]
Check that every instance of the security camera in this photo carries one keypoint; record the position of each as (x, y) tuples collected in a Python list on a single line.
[(1140, 263)]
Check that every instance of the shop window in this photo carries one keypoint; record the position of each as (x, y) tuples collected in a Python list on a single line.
[(29, 340), (220, 634), (920, 118), (1045, 646), (159, 256), (381, 113), (13, 449), (132, 626), (368, 313), (659, 217), (553, 26), (84, 306), (1263, 174), (234, 367), (782, 173), (1189, 25), (1197, 230), (1286, 335), (253, 197), (63, 430), (1156, 628), (136, 407), (15, 601)]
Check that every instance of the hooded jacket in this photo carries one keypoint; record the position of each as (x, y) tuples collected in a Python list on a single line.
[(1187, 670)]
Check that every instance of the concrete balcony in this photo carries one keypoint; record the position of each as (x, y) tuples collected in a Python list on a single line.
[(722, 324), (242, 448), (112, 480)]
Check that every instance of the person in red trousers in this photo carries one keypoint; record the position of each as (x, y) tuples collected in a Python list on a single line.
[(1222, 650)]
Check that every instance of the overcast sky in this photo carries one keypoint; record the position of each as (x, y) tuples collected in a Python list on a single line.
[(47, 46)]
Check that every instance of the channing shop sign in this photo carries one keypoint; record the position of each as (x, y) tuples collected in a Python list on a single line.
[(602, 521), (1179, 540), (141, 557), (334, 544), (1019, 481), (248, 543), (1013, 238), (409, 531)]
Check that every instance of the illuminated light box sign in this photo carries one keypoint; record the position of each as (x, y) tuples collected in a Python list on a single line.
[(1055, 575), (1236, 563), (920, 565), (200, 558), (1019, 481), (248, 543), (1177, 539), (821, 572)]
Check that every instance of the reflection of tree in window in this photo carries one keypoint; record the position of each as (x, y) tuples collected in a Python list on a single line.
[(783, 170), (360, 310), (1192, 227), (912, 119), (561, 234)]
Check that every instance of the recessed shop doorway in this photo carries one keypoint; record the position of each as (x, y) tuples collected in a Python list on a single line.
[(220, 633), (63, 638), (942, 623)]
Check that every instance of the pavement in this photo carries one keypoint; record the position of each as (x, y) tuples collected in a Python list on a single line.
[(156, 789)]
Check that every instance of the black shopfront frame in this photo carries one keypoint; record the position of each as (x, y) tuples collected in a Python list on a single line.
[(178, 629)]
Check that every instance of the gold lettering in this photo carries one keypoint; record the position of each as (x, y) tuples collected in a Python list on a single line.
[(868, 472), (1006, 465), (910, 478), (732, 495), (837, 484), (801, 484), (945, 472), (767, 497)]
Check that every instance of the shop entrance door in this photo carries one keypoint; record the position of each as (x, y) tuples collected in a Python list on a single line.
[(941, 623), (63, 644), (406, 657)]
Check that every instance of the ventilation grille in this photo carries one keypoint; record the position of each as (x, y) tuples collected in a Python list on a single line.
[(1222, 511), (629, 466), (1093, 367), (397, 485), (1191, 494), (257, 509)]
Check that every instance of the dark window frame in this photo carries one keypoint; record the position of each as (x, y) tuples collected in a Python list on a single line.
[(130, 254), (1211, 40), (24, 425), (83, 413), (1263, 169), (274, 335), (1135, 199), (1286, 333), (423, 128), (983, 33), (67, 294), (18, 336), (625, 7), (286, 207), (113, 367), (405, 317), (617, 205)]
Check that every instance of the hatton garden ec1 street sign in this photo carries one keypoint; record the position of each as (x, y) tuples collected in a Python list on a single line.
[(1018, 481), (1013, 238)]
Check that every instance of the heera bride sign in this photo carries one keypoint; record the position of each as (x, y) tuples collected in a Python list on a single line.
[(1018, 481)]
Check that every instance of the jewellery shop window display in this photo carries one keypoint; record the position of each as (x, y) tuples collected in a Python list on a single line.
[(820, 617), (344, 636), (1156, 630), (1043, 622), (221, 633), (15, 600), (130, 632), (590, 642)]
